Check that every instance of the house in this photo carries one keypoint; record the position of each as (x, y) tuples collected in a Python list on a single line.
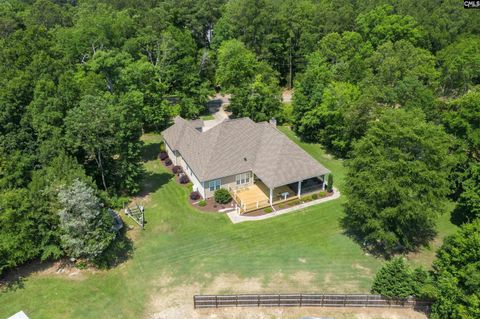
[(256, 162)]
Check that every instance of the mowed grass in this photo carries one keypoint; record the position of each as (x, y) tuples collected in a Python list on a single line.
[(189, 246)]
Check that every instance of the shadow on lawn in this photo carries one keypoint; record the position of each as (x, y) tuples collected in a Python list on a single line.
[(150, 151), (117, 253), (152, 182), (14, 279)]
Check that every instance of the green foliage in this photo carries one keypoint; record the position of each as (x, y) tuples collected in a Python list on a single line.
[(330, 183), (308, 94), (456, 273), (380, 25), (397, 182), (86, 226), (468, 205), (202, 203), (222, 196), (268, 210), (397, 279), (236, 65), (460, 64)]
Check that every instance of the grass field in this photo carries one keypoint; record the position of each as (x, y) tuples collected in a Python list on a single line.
[(207, 117), (188, 246)]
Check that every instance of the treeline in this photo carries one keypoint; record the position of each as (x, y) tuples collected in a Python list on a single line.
[(81, 81), (390, 86)]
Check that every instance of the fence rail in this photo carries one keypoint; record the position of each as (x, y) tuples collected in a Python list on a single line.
[(307, 300)]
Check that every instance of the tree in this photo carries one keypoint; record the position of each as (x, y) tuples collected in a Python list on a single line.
[(17, 240), (260, 100), (347, 55), (236, 65), (396, 279), (381, 25), (397, 182), (90, 130), (456, 275), (460, 65), (308, 94), (402, 75), (86, 226), (330, 183), (468, 204)]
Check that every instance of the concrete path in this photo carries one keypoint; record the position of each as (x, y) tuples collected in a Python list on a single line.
[(216, 107), (237, 218)]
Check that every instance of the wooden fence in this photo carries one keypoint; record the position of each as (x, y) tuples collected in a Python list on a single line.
[(307, 300)]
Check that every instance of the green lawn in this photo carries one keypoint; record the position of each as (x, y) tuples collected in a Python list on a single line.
[(207, 117), (189, 245)]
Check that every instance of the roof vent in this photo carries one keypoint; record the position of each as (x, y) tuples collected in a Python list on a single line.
[(273, 121), (245, 159)]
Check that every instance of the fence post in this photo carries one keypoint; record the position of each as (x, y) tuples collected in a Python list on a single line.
[(216, 301), (194, 302), (344, 300), (236, 300), (258, 300), (279, 300), (323, 297), (301, 299), (366, 301)]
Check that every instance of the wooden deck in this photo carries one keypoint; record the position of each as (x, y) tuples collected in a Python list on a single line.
[(257, 196)]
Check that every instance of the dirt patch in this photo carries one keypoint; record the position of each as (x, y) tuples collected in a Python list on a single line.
[(171, 301)]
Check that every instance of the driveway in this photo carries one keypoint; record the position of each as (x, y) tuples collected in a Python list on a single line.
[(216, 106)]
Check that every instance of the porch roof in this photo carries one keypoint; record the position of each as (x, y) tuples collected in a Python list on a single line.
[(241, 145)]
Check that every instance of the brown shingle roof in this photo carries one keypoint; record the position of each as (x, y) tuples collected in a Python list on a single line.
[(241, 145)]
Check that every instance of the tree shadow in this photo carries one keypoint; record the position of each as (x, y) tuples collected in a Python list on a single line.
[(119, 251), (15, 278), (150, 151), (152, 182)]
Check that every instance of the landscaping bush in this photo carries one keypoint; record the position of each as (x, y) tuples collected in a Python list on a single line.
[(168, 162), (322, 194), (177, 169), (163, 156), (162, 147), (194, 195), (281, 206), (268, 210), (314, 196), (184, 179), (294, 202), (222, 196), (307, 198), (202, 203), (330, 183)]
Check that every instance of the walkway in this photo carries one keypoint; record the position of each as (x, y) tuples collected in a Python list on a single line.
[(237, 218), (216, 106)]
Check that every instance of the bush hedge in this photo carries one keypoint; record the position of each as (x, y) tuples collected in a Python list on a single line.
[(163, 156), (202, 203), (168, 162), (184, 179), (222, 196), (194, 195), (177, 169)]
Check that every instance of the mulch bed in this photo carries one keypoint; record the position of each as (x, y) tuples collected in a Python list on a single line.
[(279, 206), (211, 206)]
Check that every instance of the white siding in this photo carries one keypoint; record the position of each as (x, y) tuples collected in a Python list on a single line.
[(170, 153)]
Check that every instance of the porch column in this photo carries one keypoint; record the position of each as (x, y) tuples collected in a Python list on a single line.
[(323, 182), (271, 195), (299, 189)]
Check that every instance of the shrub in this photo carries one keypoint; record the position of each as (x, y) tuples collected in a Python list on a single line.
[(202, 203), (168, 162), (281, 206), (268, 210), (184, 179), (177, 169), (330, 183), (194, 195), (307, 198), (294, 202), (314, 196), (222, 196), (163, 156), (162, 147), (322, 194)]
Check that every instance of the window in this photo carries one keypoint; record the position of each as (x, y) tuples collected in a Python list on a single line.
[(214, 185), (243, 178)]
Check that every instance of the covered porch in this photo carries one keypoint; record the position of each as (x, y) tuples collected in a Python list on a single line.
[(259, 195)]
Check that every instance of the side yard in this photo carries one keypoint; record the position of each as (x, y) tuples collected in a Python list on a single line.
[(183, 251)]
